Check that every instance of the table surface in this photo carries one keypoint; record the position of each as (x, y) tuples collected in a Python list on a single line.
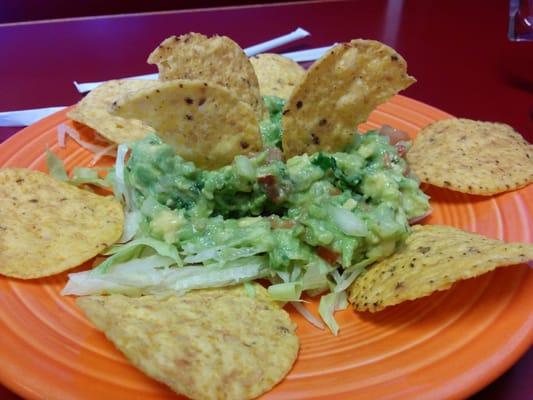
[(458, 51)]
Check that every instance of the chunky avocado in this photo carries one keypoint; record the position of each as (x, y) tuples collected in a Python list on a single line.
[(346, 208)]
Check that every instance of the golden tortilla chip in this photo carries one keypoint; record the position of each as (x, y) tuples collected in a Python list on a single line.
[(48, 226), (338, 93), (207, 344), (433, 258), (204, 122), (216, 59), (277, 75), (93, 111), (473, 157)]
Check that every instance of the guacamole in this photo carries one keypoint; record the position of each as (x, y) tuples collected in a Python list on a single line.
[(336, 213), (309, 224), (271, 127)]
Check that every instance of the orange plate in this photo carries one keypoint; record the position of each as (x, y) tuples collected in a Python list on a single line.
[(449, 344)]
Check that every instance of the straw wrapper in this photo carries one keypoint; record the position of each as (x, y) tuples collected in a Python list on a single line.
[(28, 117), (299, 33)]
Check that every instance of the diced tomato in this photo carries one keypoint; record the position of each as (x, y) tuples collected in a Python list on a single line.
[(401, 149), (327, 255), (335, 191), (267, 180), (271, 187), (277, 223), (394, 135)]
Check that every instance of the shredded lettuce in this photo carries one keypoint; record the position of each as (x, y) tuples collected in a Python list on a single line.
[(316, 276), (88, 176), (120, 189), (288, 291), (243, 270), (309, 226), (128, 277), (126, 252), (55, 166), (326, 309), (132, 221), (80, 176), (308, 315), (157, 274)]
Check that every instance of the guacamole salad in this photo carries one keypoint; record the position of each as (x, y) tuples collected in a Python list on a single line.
[(307, 226)]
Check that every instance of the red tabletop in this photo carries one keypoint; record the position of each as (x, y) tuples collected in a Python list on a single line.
[(458, 51)]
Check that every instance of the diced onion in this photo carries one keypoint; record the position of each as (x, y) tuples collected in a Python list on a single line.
[(348, 222)]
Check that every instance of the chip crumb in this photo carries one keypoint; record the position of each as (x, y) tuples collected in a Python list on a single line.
[(488, 158), (207, 344), (432, 259)]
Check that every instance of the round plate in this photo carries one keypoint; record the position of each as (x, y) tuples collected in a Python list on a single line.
[(449, 344)]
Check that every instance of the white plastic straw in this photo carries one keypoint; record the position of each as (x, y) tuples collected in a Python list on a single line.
[(276, 42)]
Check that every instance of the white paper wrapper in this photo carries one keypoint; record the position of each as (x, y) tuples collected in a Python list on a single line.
[(299, 33), (298, 56), (26, 117), (308, 55), (88, 86)]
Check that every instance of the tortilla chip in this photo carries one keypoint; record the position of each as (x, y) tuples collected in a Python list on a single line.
[(48, 226), (93, 111), (216, 59), (204, 122), (277, 75), (433, 258), (487, 158), (207, 344), (338, 93)]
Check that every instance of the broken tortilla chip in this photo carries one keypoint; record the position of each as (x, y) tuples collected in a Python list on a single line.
[(93, 111), (217, 59), (487, 158), (48, 226), (205, 123), (338, 93), (433, 258), (277, 75), (207, 344)]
